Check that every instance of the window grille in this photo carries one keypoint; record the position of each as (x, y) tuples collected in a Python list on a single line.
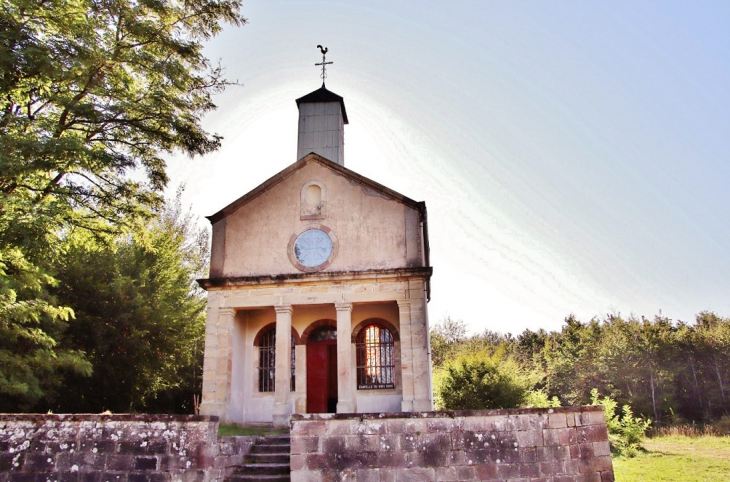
[(267, 362), (375, 365)]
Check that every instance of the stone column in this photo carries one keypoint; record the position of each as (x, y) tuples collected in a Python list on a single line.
[(283, 365), (344, 358), (217, 362), (423, 398), (406, 354)]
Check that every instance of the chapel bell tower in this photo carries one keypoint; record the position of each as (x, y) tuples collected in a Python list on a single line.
[(322, 119)]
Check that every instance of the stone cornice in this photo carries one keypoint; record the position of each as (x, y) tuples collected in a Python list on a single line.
[(397, 274)]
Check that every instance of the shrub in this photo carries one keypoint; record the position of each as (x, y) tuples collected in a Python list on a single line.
[(481, 380), (626, 431), (539, 399)]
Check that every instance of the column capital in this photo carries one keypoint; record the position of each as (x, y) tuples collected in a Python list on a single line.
[(404, 305), (343, 306), (283, 309), (227, 311)]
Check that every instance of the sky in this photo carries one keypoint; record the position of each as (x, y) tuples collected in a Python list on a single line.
[(574, 156)]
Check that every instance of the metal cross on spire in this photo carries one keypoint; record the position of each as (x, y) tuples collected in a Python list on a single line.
[(323, 63)]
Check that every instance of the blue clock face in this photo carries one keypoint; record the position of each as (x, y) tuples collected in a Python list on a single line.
[(312, 248)]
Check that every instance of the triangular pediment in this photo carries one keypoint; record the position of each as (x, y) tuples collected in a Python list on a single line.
[(310, 158)]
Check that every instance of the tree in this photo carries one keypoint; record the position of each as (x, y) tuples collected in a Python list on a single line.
[(139, 317), (446, 336), (92, 93)]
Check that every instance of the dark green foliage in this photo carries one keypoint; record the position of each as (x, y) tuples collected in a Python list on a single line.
[(139, 318), (475, 381), (668, 372), (90, 92)]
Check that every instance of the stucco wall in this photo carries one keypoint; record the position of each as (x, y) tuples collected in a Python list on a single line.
[(116, 447), (558, 445), (371, 230)]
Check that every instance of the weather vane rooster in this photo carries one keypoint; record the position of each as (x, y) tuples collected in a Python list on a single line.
[(324, 64)]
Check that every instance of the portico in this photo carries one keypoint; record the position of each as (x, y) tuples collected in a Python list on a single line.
[(235, 382)]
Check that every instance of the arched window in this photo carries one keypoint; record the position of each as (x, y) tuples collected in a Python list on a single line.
[(267, 361), (375, 365)]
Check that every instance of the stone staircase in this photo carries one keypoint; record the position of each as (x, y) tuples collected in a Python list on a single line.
[(268, 460)]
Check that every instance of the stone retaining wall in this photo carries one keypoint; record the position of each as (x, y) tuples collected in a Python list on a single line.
[(535, 445), (116, 448)]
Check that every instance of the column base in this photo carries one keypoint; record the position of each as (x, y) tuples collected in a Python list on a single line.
[(281, 415), (422, 406), (281, 420), (345, 407), (406, 406), (218, 409)]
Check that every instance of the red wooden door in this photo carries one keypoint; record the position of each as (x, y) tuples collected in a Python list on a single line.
[(321, 377)]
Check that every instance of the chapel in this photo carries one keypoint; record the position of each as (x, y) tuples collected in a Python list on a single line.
[(318, 289)]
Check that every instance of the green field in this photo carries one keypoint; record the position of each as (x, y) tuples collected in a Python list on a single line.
[(677, 458)]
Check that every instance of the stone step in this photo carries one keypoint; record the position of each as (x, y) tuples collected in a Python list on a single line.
[(282, 458), (268, 460), (278, 439), (264, 469), (270, 449), (271, 478)]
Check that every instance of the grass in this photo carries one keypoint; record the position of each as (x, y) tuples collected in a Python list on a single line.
[(235, 430), (677, 458)]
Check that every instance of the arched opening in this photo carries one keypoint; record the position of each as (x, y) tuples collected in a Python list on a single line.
[(265, 342), (374, 345)]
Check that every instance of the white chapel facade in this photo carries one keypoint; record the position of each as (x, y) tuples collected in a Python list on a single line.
[(318, 289)]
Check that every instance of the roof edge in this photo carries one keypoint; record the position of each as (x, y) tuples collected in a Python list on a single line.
[(298, 278), (313, 157)]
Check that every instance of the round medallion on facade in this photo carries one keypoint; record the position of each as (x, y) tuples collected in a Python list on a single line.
[(312, 247)]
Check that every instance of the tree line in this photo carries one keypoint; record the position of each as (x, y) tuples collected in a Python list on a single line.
[(670, 372)]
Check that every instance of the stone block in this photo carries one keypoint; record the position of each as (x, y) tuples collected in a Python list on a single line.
[(530, 438), (309, 427), (442, 425), (588, 478), (558, 420), (306, 476), (592, 433), (553, 467), (595, 465), (431, 458), (391, 459), (368, 475), (333, 445), (120, 463), (486, 472), (590, 418), (508, 471), (559, 436), (21, 477), (145, 463), (38, 462), (388, 442), (66, 476), (601, 448), (388, 475), (408, 442), (607, 476), (303, 444), (417, 475), (362, 443), (529, 470)]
